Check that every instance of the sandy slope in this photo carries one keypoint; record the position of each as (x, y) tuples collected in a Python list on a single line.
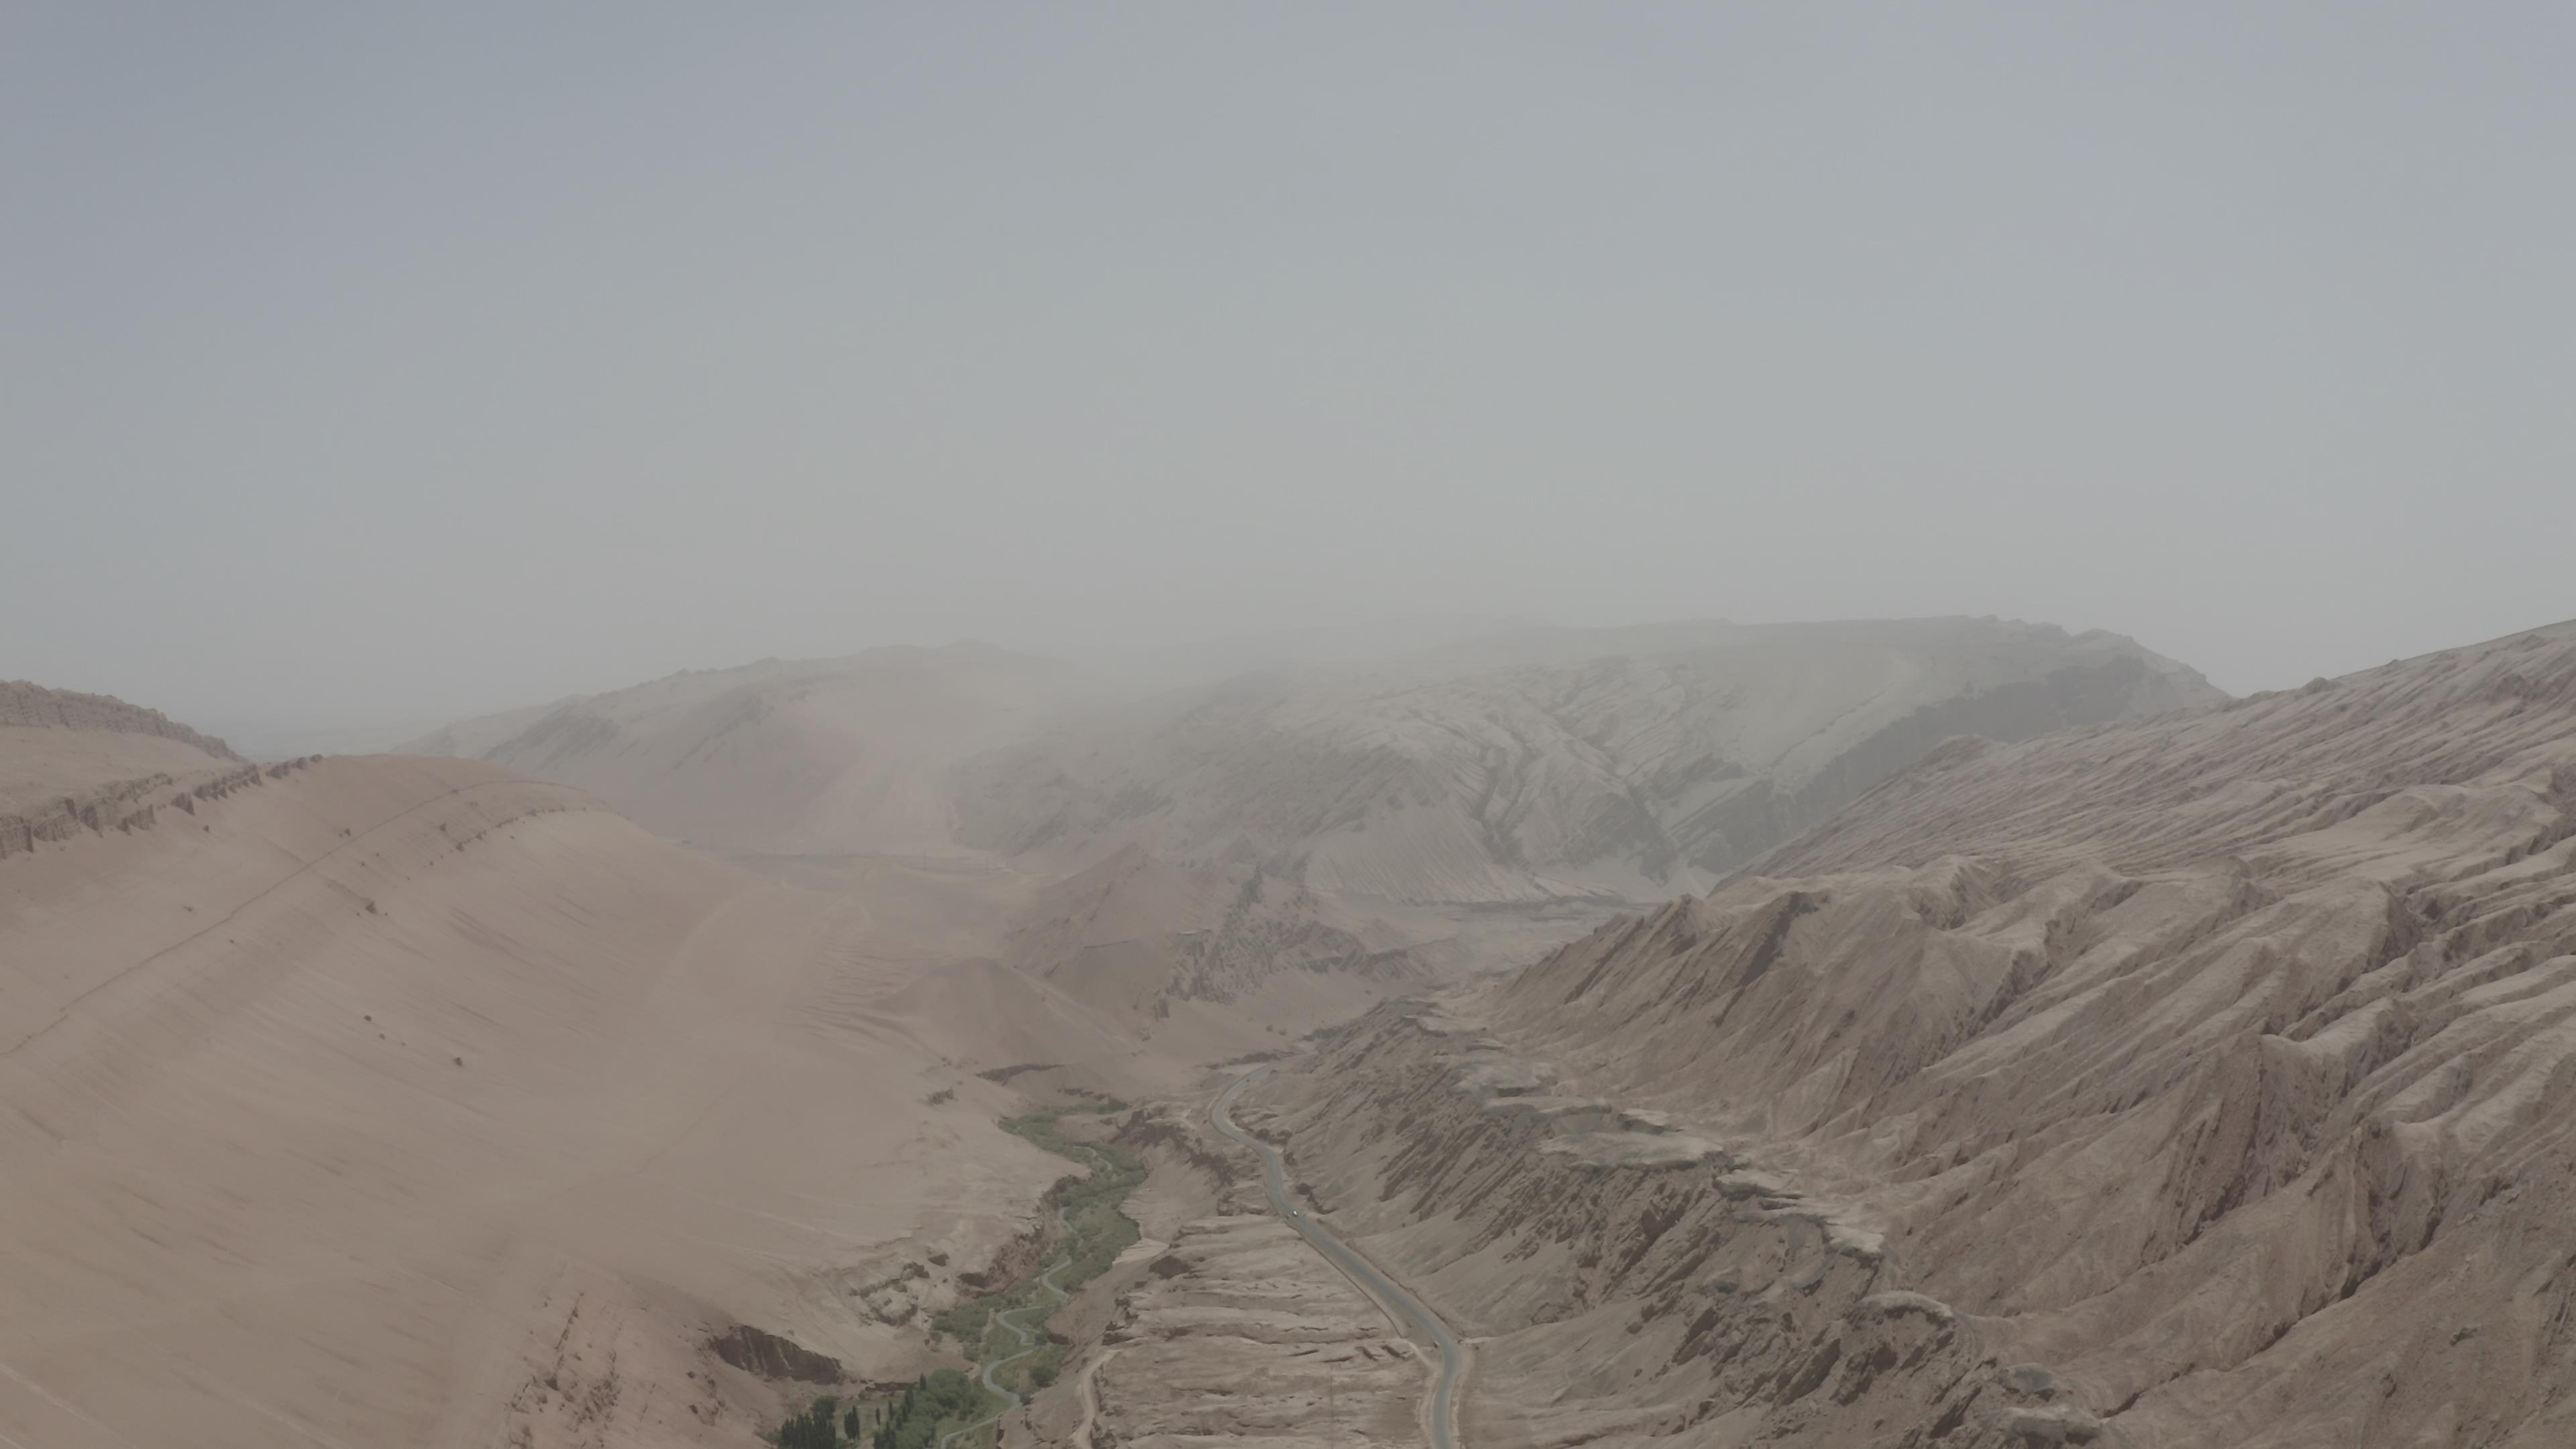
[(2200, 1081), (393, 1101), (803, 756)]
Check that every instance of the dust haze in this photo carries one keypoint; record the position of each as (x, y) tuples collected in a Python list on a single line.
[(1320, 727), (368, 370)]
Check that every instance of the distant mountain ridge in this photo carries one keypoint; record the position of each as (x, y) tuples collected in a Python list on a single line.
[(1516, 762), (1548, 762), (791, 756)]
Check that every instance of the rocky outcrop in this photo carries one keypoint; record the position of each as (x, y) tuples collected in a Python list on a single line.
[(2199, 1081), (66, 766), (126, 805), (34, 706), (755, 1351), (1241, 1331)]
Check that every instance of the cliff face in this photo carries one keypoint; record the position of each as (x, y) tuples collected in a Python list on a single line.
[(36, 707), (71, 763), (2206, 1080)]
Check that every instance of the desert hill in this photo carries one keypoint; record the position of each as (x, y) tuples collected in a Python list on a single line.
[(404, 1101), (1132, 975), (1500, 763), (2204, 1080), (414, 1101), (73, 763), (32, 706), (1550, 762), (1140, 935), (802, 756)]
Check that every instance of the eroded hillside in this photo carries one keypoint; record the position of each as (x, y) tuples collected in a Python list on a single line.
[(86, 763), (1623, 763), (2201, 1081), (1520, 764), (1139, 936)]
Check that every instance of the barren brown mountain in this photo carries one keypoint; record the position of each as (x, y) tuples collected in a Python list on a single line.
[(1513, 763), (2203, 1081), (394, 1100), (790, 757), (1139, 935), (1538, 763), (2192, 1080)]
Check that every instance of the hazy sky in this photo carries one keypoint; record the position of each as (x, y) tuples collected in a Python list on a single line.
[(364, 361)]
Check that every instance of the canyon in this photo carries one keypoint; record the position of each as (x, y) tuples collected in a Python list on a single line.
[(2153, 1076), (2190, 1082)]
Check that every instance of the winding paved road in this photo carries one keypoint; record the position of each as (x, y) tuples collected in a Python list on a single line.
[(1024, 1332), (1444, 1392)]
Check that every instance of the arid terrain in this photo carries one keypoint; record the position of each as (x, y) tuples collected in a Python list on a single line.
[(403, 1100), (1270, 726), (2180, 1078), (2195, 1082), (389, 1100), (1511, 764)]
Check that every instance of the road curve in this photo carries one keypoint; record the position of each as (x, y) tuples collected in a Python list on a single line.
[(1444, 1391), (1024, 1332)]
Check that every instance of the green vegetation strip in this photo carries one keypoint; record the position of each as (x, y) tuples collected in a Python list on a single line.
[(949, 1405), (1097, 1232)]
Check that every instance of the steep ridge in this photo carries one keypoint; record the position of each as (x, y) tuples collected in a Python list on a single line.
[(401, 1101), (1546, 763), (1518, 763), (2204, 1080), (32, 706), (74, 763), (1137, 936), (804, 756)]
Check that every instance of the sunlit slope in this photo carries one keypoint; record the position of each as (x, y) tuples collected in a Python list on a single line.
[(398, 1101)]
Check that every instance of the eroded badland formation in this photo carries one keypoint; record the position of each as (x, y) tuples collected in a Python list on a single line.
[(1944, 1033)]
